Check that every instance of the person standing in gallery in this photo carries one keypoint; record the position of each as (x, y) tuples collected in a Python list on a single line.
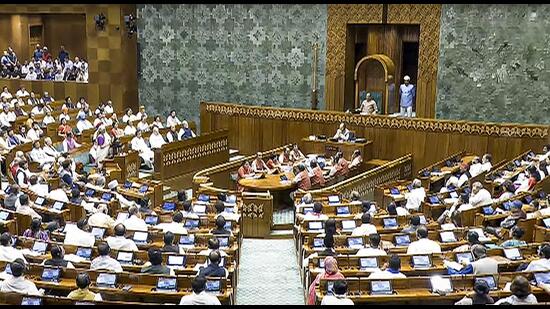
[(407, 93)]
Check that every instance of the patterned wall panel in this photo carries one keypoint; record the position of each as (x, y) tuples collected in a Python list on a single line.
[(110, 54), (494, 63), (252, 54)]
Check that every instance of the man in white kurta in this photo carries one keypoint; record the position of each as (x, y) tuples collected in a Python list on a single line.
[(156, 140), (139, 145)]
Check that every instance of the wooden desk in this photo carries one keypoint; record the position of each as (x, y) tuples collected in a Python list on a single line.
[(329, 148), (272, 184)]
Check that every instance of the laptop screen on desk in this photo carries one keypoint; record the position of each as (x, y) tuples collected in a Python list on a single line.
[(104, 279), (318, 242), (39, 247), (390, 222), (307, 210), (315, 225), (342, 210), (512, 253), (421, 261), (224, 241), (394, 191), (152, 220), (213, 286), (143, 189), (106, 196), (441, 284), (125, 257), (176, 260), (422, 219), (402, 240), (447, 236), (380, 287), (542, 277), (199, 209), (464, 256), (169, 206), (50, 274), (333, 199), (368, 262), (187, 239), (490, 281), (90, 192), (204, 198), (4, 215), (355, 242), (192, 223), (166, 284), (39, 201), (58, 205), (434, 199), (98, 232), (348, 225), (83, 252), (140, 237)]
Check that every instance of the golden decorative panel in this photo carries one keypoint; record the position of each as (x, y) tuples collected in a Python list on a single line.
[(376, 121), (253, 211), (339, 15)]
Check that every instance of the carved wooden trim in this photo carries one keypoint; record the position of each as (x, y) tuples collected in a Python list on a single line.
[(376, 121)]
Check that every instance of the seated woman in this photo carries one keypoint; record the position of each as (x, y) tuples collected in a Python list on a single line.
[(138, 144), (64, 128), (70, 143), (116, 131), (284, 157), (331, 272), (36, 231), (102, 143), (273, 162), (521, 293), (258, 165), (356, 159), (128, 116), (340, 165), (296, 154)]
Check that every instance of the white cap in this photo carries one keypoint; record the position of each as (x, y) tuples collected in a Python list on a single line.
[(113, 184), (406, 77)]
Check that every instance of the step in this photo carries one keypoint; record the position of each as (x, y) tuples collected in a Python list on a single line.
[(233, 152), (282, 227), (280, 234), (235, 158)]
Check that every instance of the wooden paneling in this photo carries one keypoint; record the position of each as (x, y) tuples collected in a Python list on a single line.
[(427, 140), (68, 30), (111, 54)]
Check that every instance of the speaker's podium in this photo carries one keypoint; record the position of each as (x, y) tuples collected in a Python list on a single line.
[(257, 214)]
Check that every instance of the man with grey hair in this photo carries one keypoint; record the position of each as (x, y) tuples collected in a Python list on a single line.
[(368, 106), (483, 264), (416, 196), (407, 93), (49, 148), (101, 218), (480, 196)]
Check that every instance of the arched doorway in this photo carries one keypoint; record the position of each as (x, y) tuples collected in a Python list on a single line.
[(374, 74)]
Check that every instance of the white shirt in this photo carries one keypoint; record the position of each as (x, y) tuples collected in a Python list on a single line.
[(33, 134), (135, 224), (386, 275), (106, 263), (476, 169), (10, 254), (200, 299), (424, 246), (19, 285), (486, 166), (172, 121), (82, 125), (48, 119), (130, 130), (40, 189), (539, 265), (156, 141), (108, 109), (174, 227), (370, 252), (38, 155), (143, 126), (27, 210), (125, 118), (37, 111), (31, 76), (58, 195), (514, 300), (364, 229), (482, 197), (102, 220), (20, 93), (329, 300), (414, 198), (6, 95), (121, 243), (78, 237)]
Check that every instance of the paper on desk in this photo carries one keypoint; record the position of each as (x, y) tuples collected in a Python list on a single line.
[(453, 265), (448, 226), (74, 258)]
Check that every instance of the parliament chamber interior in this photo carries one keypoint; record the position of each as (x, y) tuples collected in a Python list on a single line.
[(274, 154)]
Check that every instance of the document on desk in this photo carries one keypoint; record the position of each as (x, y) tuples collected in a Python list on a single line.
[(453, 265)]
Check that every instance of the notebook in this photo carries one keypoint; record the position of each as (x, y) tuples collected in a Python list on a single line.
[(106, 280), (39, 247), (31, 301), (355, 242), (381, 287), (512, 254), (167, 284), (447, 237)]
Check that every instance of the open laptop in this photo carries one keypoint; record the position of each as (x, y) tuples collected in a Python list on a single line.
[(441, 284), (39, 201), (84, 252), (89, 192), (447, 236), (106, 280), (4, 215), (368, 263), (127, 184), (546, 222), (381, 287), (176, 260), (422, 219), (318, 243), (421, 261), (488, 210), (151, 220), (355, 242), (348, 225), (512, 254), (39, 247), (390, 223), (106, 196), (31, 301), (167, 284), (321, 262), (140, 237), (315, 225), (333, 199), (7, 270), (453, 194), (192, 223), (58, 205), (98, 232), (464, 256), (491, 282), (213, 286), (187, 240), (143, 188), (434, 200), (224, 241), (228, 225), (199, 209), (342, 210), (51, 274), (231, 199), (402, 240), (125, 258), (169, 206), (307, 210), (395, 191), (542, 277)]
